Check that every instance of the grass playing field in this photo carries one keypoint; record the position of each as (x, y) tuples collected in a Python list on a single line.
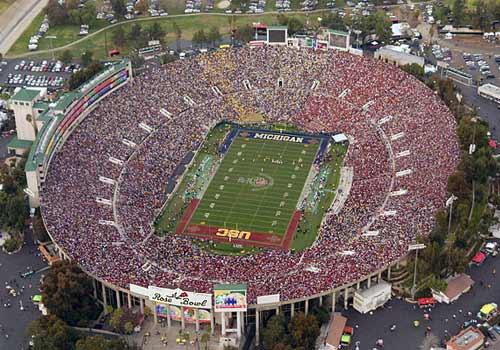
[(257, 186)]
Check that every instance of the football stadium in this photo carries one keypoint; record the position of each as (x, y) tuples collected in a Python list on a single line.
[(292, 176)]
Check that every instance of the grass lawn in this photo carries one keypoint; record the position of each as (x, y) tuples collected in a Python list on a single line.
[(257, 186), (167, 222), (64, 34), (4, 5), (189, 25), (330, 177)]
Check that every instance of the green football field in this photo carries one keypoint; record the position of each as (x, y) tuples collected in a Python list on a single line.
[(257, 185)]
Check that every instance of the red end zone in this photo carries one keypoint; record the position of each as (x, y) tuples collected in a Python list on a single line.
[(256, 239)]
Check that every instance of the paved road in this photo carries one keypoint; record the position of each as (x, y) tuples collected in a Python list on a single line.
[(13, 320), (487, 109), (445, 319), (15, 20)]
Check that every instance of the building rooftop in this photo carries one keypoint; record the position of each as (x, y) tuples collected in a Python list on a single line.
[(15, 143), (458, 285), (41, 105), (490, 89), (26, 95), (469, 338), (66, 100)]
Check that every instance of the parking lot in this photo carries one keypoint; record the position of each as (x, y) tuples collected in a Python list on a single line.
[(37, 73)]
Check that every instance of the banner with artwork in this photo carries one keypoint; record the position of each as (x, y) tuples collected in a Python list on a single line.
[(230, 297), (162, 310)]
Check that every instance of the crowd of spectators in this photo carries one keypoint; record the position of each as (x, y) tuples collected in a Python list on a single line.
[(403, 146)]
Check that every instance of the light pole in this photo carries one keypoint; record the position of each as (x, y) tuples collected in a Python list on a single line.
[(415, 247), (50, 37), (357, 32), (449, 203)]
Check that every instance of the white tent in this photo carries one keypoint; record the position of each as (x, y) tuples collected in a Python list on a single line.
[(339, 138)]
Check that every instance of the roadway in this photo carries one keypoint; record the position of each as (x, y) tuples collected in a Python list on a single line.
[(15, 20)]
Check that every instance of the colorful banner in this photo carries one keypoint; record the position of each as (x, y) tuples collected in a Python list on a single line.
[(230, 297), (163, 311)]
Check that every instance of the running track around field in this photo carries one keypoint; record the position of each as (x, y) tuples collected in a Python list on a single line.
[(257, 239)]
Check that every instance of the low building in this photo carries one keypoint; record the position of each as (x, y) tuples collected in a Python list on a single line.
[(468, 339), (27, 106), (372, 298), (335, 331), (489, 91), (398, 58), (457, 286)]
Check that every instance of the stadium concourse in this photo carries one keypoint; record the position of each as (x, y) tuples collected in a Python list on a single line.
[(402, 149)]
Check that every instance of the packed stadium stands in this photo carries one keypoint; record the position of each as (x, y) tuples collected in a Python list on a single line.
[(402, 148)]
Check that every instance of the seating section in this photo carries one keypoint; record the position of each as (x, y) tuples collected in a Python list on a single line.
[(403, 147)]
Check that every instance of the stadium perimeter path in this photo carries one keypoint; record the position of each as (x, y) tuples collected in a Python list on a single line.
[(15, 20)]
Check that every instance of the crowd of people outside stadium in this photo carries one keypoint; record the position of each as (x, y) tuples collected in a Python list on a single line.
[(402, 148)]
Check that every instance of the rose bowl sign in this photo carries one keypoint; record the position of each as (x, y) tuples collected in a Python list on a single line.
[(179, 297)]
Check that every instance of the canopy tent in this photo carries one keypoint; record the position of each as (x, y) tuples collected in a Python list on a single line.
[(488, 308), (339, 138), (479, 258)]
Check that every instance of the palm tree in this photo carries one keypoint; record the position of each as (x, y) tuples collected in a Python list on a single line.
[(205, 337), (30, 119)]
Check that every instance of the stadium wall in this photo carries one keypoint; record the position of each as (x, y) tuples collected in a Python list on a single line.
[(64, 116)]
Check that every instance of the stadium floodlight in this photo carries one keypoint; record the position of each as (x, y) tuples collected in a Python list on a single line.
[(416, 247)]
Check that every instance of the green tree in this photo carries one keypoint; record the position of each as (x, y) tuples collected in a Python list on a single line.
[(199, 37), (100, 343), (213, 35), (119, 36), (39, 231), (156, 32), (86, 58), (274, 332), (115, 320), (244, 33), (294, 25), (136, 59), (49, 332), (205, 338), (334, 21), (66, 57), (119, 7), (66, 292), (178, 35), (56, 13), (135, 32), (457, 12), (415, 70), (304, 330)]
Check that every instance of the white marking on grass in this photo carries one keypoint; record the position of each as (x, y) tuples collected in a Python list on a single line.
[(206, 215), (221, 187), (217, 196), (212, 205), (278, 213), (226, 178), (289, 185)]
